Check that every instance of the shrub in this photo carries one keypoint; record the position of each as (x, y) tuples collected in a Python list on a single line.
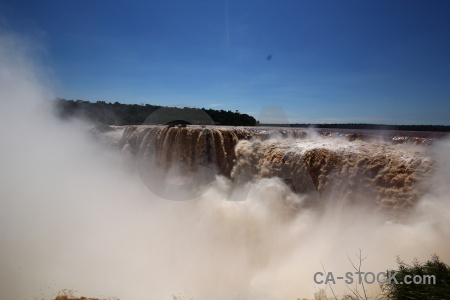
[(435, 267)]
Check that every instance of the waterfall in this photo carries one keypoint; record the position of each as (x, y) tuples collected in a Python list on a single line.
[(348, 166)]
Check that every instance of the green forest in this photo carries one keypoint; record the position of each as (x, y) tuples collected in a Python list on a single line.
[(116, 113)]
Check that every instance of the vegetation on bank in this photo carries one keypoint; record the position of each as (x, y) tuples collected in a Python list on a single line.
[(440, 289), (420, 280), (438, 128), (116, 113)]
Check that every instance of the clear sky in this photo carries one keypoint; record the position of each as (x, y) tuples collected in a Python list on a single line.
[(320, 61)]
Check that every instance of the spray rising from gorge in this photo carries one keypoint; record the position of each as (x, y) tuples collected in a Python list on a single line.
[(79, 215)]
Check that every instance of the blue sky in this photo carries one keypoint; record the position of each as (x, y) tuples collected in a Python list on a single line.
[(332, 61)]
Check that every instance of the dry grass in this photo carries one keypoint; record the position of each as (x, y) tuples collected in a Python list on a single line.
[(65, 297)]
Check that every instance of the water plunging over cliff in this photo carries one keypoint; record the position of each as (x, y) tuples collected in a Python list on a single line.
[(389, 171)]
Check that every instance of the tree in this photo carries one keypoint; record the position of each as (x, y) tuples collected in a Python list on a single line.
[(434, 267)]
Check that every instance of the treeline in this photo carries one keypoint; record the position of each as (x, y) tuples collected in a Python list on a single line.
[(438, 128), (116, 113)]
